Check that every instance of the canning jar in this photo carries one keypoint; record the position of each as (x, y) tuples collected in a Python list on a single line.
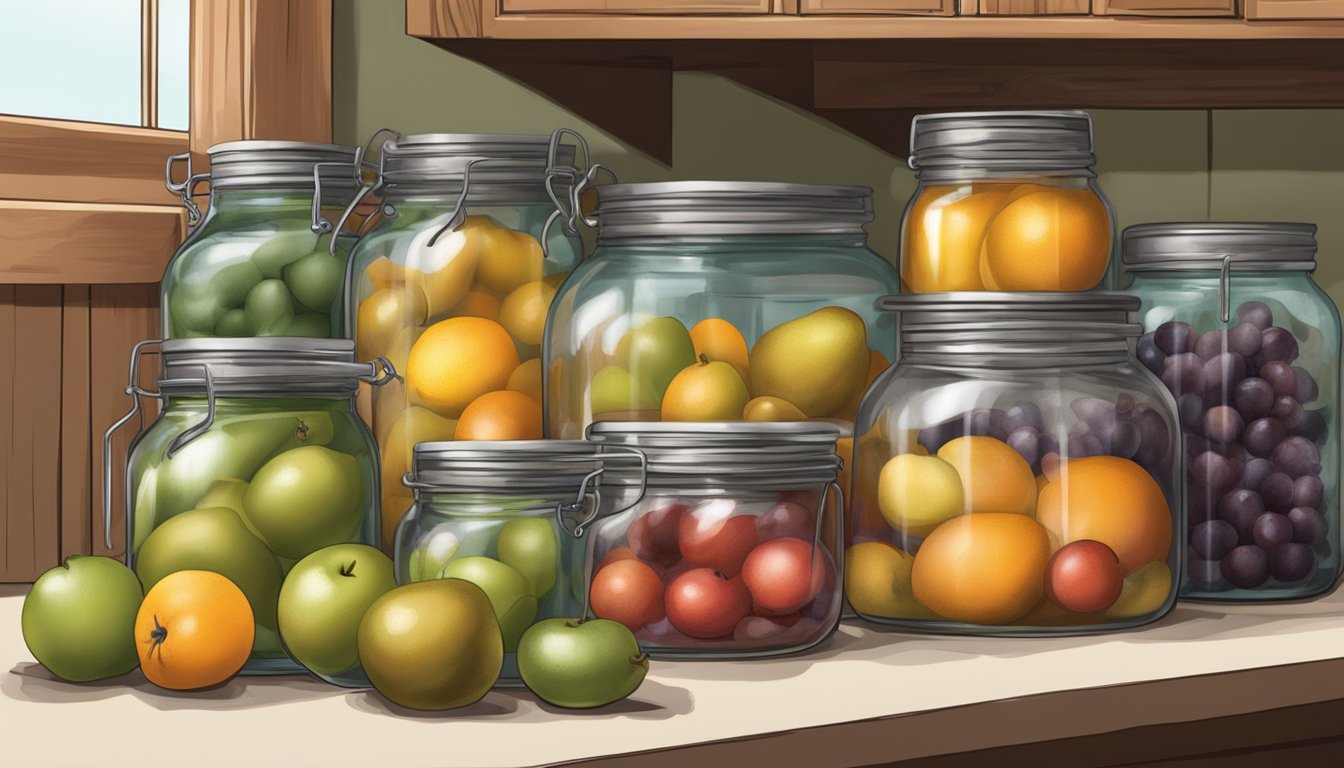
[(254, 266), (1006, 201), (511, 517), (453, 285), (715, 301), (733, 550), (1017, 472), (256, 460), (1249, 345)]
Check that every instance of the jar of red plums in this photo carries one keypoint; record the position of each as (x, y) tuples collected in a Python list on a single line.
[(733, 550), (1250, 347), (1016, 473)]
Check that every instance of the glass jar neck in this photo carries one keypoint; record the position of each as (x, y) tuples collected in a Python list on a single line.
[(266, 203), (223, 402), (1005, 172), (659, 245), (1017, 355)]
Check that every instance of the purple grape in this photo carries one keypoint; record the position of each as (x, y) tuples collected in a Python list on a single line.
[(1297, 456), (1083, 443), (1047, 443), (990, 422), (1191, 407), (1246, 567), (1308, 491), (1287, 410), (1244, 339), (1099, 414), (1308, 525), (1183, 373), (1280, 377), (1155, 438), (1214, 472), (1026, 441), (1126, 439), (1262, 436), (1254, 474), (1224, 371), (1199, 505), (1024, 414), (1272, 529), (1257, 313), (1277, 492), (1305, 388), (1292, 562), (1277, 344), (1313, 426), (1222, 424), (1205, 575), (1254, 398), (1213, 539), (1211, 343), (1241, 509), (1174, 337), (1152, 357), (933, 438)]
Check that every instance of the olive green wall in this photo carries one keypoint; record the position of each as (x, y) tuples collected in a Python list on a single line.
[(1154, 166)]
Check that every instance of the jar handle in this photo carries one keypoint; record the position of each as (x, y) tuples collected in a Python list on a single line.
[(375, 185), (579, 178), (185, 189), (459, 214), (595, 494), (321, 225), (1224, 294), (201, 427), (135, 391)]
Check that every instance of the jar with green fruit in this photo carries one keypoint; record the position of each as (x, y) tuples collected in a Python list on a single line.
[(1250, 346), (1017, 473), (511, 517), (255, 264), (718, 301), (453, 284), (734, 549), (256, 460)]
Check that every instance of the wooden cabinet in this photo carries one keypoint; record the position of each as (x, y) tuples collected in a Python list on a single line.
[(879, 7), (654, 7), (1034, 7), (1295, 9), (1188, 8)]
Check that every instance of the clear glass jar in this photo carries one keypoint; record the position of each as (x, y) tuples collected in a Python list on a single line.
[(511, 517), (1007, 201), (256, 460), (254, 266), (1250, 347), (714, 301), (1012, 479), (453, 285), (733, 550)]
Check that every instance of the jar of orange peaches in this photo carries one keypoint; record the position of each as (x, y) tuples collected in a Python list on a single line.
[(1009, 479), (453, 285), (1007, 201), (720, 301)]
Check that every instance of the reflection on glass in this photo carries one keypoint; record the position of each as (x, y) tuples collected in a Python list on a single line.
[(174, 29)]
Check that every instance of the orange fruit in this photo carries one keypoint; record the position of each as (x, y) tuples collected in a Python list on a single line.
[(382, 315), (720, 340), (478, 304), (1051, 240), (944, 232), (995, 478), (523, 313), (985, 568), (399, 350), (456, 361), (502, 415), (508, 258), (1110, 500), (526, 378), (194, 630)]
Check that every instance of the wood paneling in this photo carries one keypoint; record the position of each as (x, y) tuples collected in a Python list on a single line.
[(667, 7), (1295, 9), (1164, 7), (76, 446), (880, 7), (86, 243), (443, 18), (1034, 7)]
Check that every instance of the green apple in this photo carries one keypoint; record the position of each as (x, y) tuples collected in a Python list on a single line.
[(315, 279), (305, 499), (655, 352), (269, 308), (509, 592), (78, 619), (436, 549), (614, 390), (233, 324), (322, 601), (528, 545), (580, 664)]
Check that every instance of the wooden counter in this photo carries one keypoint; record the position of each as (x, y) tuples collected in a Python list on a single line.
[(1207, 685)]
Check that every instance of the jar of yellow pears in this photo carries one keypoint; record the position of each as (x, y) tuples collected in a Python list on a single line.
[(453, 285), (1007, 201)]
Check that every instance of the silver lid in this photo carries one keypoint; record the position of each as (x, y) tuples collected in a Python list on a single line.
[(713, 208), (971, 142), (1207, 245), (280, 165), (436, 163), (507, 466), (262, 367)]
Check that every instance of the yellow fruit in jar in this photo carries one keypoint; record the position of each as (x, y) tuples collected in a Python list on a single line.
[(812, 361), (995, 477), (917, 493), (477, 304), (1145, 591), (526, 378), (877, 581), (502, 415), (555, 280), (944, 232), (394, 507), (1110, 500), (383, 272), (706, 391), (364, 402), (413, 425), (523, 313), (508, 258), (984, 568), (772, 409), (457, 360), (1051, 240), (444, 270), (382, 315), (720, 340)]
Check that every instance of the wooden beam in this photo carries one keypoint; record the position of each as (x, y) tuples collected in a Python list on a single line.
[(85, 243)]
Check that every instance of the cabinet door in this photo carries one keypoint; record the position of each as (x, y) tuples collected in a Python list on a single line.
[(1164, 7), (1295, 9), (666, 7), (880, 7), (1034, 7)]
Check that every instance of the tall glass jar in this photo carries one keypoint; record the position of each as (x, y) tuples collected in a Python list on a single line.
[(253, 266), (1250, 347), (734, 549), (511, 517), (453, 285), (256, 460), (714, 301), (1012, 478), (1007, 201)]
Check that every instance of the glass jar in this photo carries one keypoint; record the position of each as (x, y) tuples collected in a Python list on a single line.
[(254, 266), (1250, 347), (733, 550), (1007, 201), (511, 517), (1011, 479), (453, 286), (715, 301), (256, 460)]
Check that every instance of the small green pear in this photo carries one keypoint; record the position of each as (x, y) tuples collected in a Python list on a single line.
[(614, 390), (655, 352)]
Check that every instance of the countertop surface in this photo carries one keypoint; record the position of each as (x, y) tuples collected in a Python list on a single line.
[(901, 696)]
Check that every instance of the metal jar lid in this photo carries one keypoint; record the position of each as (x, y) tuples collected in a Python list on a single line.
[(264, 367), (506, 466), (280, 165), (438, 161), (1002, 141), (1261, 246), (692, 209)]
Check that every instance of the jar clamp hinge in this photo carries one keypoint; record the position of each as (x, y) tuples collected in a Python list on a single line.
[(375, 185), (185, 189), (136, 392), (569, 211)]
